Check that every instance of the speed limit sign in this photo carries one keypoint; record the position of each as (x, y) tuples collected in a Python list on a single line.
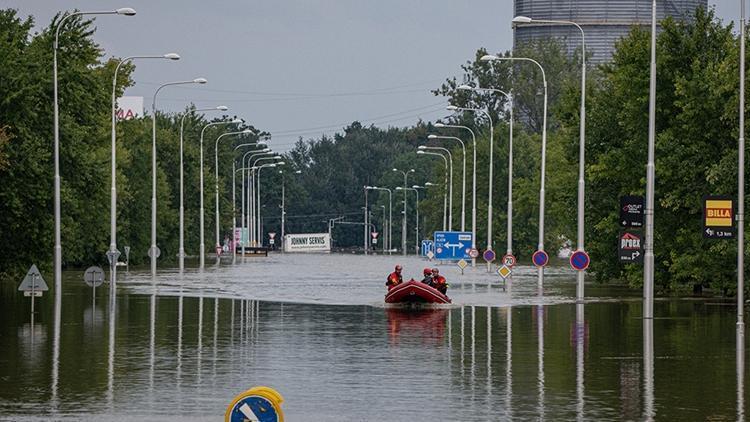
[(509, 260)]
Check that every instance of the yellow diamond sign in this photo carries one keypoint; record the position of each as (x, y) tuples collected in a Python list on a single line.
[(462, 264), (504, 271)]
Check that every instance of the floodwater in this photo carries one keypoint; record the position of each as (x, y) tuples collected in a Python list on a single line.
[(180, 347)]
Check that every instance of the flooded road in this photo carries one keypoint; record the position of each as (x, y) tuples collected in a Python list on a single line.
[(314, 328)]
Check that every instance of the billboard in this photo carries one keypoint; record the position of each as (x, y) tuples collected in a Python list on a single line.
[(129, 108), (309, 242)]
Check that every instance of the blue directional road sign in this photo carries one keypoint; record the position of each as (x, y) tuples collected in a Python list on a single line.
[(452, 246), (426, 247)]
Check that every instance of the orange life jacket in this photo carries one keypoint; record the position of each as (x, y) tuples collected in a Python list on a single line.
[(394, 279)]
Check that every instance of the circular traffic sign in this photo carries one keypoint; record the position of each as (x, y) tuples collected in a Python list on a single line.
[(579, 260), (154, 252), (509, 260), (540, 258), (94, 276), (473, 252), (262, 404), (489, 255)]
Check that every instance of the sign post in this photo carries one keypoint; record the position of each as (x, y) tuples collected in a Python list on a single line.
[(540, 258), (630, 247), (374, 236), (718, 217), (271, 238), (93, 277), (127, 258)]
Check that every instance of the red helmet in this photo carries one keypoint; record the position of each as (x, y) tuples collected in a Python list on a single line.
[(398, 268), (427, 271)]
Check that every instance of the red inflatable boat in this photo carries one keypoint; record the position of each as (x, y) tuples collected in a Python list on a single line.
[(415, 292)]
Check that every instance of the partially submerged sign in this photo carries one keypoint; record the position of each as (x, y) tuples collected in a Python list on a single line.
[(33, 281), (311, 242), (718, 217), (94, 276), (630, 247)]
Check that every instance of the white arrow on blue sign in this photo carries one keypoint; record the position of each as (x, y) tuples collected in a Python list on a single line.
[(452, 246)]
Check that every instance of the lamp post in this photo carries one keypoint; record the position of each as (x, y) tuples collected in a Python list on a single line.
[(216, 179), (540, 246), (154, 251), (473, 187), (261, 167), (490, 178), (463, 183), (427, 185), (125, 11), (250, 199), (390, 213), (181, 251), (426, 150), (740, 171), (283, 206), (385, 223), (445, 186), (403, 225), (367, 237), (582, 139), (509, 97), (202, 252), (255, 199), (234, 200), (416, 209), (113, 254)]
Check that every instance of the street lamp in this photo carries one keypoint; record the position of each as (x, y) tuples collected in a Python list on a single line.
[(390, 213), (403, 226), (234, 200), (490, 178), (463, 183), (202, 252), (473, 188), (416, 209), (445, 190), (509, 97), (216, 178), (426, 150), (181, 251), (740, 171), (582, 139), (250, 188), (154, 251), (255, 196), (113, 253), (283, 205), (260, 224), (125, 11), (540, 246)]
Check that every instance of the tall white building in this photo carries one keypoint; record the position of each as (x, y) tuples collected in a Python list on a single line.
[(603, 21)]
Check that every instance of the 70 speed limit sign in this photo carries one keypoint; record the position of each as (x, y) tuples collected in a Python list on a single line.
[(509, 260)]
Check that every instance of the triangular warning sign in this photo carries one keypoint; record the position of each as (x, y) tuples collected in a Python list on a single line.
[(35, 277)]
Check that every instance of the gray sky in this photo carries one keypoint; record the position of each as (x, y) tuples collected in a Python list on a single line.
[(301, 67)]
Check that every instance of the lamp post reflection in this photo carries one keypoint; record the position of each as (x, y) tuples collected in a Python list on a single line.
[(740, 372), (648, 369), (509, 363), (540, 355), (111, 348), (580, 339)]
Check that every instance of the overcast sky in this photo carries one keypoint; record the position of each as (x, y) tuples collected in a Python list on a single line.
[(301, 67)]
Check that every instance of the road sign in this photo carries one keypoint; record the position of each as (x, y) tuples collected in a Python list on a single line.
[(113, 256), (631, 211), (127, 253), (718, 217), (374, 235), (94, 276), (426, 247), (504, 271), (473, 252), (430, 255), (258, 404), (540, 258), (154, 250), (35, 293), (271, 235), (462, 264), (218, 250), (489, 255), (33, 281), (451, 246), (509, 260), (630, 247), (579, 260)]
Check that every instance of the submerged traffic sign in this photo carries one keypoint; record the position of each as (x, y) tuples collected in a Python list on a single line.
[(426, 247), (579, 260), (451, 246), (258, 404), (540, 258), (33, 281), (504, 271), (489, 255), (630, 247), (718, 217), (94, 276)]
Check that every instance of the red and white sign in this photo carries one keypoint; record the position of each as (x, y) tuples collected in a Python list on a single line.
[(271, 235), (218, 250), (129, 108), (509, 260), (374, 235)]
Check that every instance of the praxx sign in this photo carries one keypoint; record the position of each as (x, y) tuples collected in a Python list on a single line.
[(718, 217)]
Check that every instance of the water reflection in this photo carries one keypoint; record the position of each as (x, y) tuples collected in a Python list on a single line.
[(740, 372), (424, 326), (580, 337), (508, 362), (648, 369)]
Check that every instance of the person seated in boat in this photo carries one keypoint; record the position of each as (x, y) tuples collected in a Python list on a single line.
[(394, 278), (427, 277), (439, 282)]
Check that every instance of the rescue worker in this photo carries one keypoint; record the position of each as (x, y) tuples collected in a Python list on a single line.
[(394, 278), (427, 277), (439, 282)]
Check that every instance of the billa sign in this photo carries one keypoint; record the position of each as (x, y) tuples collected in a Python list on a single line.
[(631, 211), (630, 247), (718, 217)]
